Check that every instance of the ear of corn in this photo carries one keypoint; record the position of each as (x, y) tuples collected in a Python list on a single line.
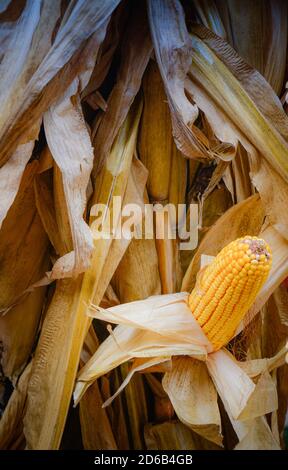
[(227, 288)]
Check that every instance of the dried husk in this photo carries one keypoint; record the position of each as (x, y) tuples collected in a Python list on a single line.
[(96, 429), (136, 49), (258, 32), (69, 142), (23, 243), (11, 420), (44, 423), (174, 435), (20, 121)]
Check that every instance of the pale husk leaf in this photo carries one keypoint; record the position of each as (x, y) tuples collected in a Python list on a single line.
[(194, 397)]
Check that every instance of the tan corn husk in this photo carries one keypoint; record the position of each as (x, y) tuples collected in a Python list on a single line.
[(44, 430), (174, 435), (135, 53), (96, 429), (11, 422), (23, 243), (22, 118), (261, 43)]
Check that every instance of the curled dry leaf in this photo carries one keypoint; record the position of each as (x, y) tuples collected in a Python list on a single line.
[(69, 142), (19, 120), (44, 423), (136, 49), (11, 421)]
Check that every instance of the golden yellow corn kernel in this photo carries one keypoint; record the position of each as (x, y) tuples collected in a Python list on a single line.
[(228, 287)]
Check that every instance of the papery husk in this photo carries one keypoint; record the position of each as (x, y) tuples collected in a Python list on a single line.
[(11, 420), (110, 299), (247, 86), (235, 177), (174, 435), (173, 52), (18, 328), (137, 337), (139, 262), (136, 49), (174, 331), (117, 411), (70, 145), (47, 408), (266, 343), (48, 210), (96, 429), (258, 32), (137, 407), (194, 397), (80, 21), (23, 243), (10, 177), (208, 15), (107, 49)]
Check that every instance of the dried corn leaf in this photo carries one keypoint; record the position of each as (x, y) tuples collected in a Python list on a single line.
[(174, 435), (159, 326), (137, 407), (250, 104), (256, 435), (18, 329), (173, 50), (235, 177), (70, 145), (208, 14), (11, 420), (135, 53), (23, 242), (194, 397), (80, 21), (43, 186), (10, 177), (139, 262), (134, 192), (44, 423), (42, 408), (106, 52), (95, 426), (258, 32)]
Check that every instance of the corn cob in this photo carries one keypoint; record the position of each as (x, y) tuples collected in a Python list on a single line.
[(227, 288)]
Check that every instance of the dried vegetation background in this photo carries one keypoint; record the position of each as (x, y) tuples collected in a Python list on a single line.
[(167, 101)]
